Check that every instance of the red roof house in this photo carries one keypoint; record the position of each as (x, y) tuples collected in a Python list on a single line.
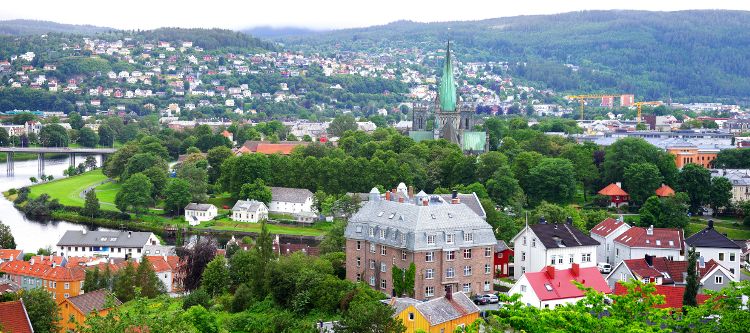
[(607, 227), (13, 317), (501, 261), (636, 242), (664, 191), (617, 196), (672, 295), (552, 287)]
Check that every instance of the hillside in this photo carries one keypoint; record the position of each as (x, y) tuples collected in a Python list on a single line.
[(688, 55), (33, 27), (207, 38)]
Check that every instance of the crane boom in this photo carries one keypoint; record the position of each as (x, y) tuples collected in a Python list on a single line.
[(639, 104)]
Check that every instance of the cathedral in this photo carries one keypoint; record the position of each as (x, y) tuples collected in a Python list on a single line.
[(454, 120)]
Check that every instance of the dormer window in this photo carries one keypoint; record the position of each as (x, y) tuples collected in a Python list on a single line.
[(449, 238), (372, 232), (430, 239), (468, 237), (382, 233), (359, 228)]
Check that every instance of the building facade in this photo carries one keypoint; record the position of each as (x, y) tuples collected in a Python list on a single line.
[(290, 200), (113, 244), (249, 211), (196, 213), (637, 242), (713, 245), (448, 243), (605, 233)]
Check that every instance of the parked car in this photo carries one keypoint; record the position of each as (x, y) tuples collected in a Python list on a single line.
[(604, 267), (491, 298), (479, 300)]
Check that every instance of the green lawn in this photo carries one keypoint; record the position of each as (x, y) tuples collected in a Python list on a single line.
[(732, 229), (67, 190), (106, 193), (317, 229)]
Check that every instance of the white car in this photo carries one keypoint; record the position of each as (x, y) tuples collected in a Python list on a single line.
[(491, 298), (604, 267)]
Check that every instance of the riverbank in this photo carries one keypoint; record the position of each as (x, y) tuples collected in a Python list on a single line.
[(19, 157)]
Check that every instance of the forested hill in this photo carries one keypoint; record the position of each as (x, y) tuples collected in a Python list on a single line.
[(207, 38), (33, 27), (688, 55)]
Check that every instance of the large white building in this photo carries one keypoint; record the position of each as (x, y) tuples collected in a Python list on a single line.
[(711, 244), (114, 244), (196, 213), (557, 245), (637, 242), (740, 179), (290, 200), (605, 233), (249, 211)]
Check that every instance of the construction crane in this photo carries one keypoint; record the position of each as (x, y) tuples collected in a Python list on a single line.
[(582, 98), (639, 104)]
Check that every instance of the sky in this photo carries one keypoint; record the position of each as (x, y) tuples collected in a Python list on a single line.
[(315, 14)]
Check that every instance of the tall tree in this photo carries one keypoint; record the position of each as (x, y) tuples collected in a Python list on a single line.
[(125, 282), (554, 180), (721, 193), (695, 180), (215, 277), (135, 194), (256, 190), (106, 136), (54, 135), (87, 137), (42, 310), (216, 156), (198, 179), (369, 317), (196, 257), (4, 137), (147, 280), (75, 120), (689, 298), (341, 124), (6, 237), (641, 180), (176, 195), (669, 212), (91, 205)]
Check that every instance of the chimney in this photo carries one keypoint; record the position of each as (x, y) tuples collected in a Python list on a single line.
[(650, 260), (551, 272), (569, 220), (575, 269), (411, 191), (387, 196), (542, 220), (130, 233), (454, 194), (619, 184), (425, 202), (650, 230), (31, 262), (84, 231), (448, 292), (710, 224), (401, 199)]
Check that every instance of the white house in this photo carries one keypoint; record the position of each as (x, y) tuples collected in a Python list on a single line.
[(559, 245), (551, 287), (662, 271), (166, 269), (196, 213), (711, 244), (290, 200), (115, 244), (605, 233), (249, 211), (637, 242)]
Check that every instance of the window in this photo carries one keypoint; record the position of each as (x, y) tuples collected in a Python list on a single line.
[(382, 284), (450, 273), (382, 267), (403, 238), (488, 252), (570, 258), (403, 255), (411, 316), (560, 259), (449, 238), (372, 264), (487, 269), (359, 277), (429, 273), (66, 295), (359, 228), (359, 245), (552, 260), (719, 279), (383, 250), (371, 232), (731, 257), (359, 261), (372, 248), (468, 237), (617, 253), (533, 242), (66, 286), (429, 291), (721, 256), (372, 281), (622, 277), (428, 256), (523, 240), (467, 287), (523, 288), (430, 239), (586, 257), (467, 253), (382, 233), (450, 255), (487, 285), (467, 270), (523, 256)]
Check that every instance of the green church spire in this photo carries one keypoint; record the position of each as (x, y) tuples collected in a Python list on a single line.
[(447, 88)]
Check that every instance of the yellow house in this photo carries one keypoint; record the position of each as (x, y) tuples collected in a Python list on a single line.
[(73, 310), (439, 315)]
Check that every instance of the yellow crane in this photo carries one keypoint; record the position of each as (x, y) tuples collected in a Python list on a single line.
[(582, 98), (639, 104)]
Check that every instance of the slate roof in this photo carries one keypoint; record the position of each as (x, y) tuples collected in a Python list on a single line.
[(501, 246), (560, 285), (288, 194), (606, 227), (612, 189), (104, 238), (709, 237), (672, 295), (92, 301), (417, 222), (247, 206), (660, 239), (440, 310), (13, 317), (469, 199), (199, 207), (568, 236)]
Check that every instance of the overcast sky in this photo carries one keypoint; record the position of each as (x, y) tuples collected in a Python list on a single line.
[(319, 14)]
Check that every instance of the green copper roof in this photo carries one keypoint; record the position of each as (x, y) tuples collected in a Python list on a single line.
[(474, 141), (421, 135), (447, 88)]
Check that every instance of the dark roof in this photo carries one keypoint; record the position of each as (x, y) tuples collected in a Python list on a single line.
[(469, 199), (198, 206), (92, 301), (288, 194), (104, 238), (13, 318), (709, 237), (568, 236), (440, 310), (501, 246)]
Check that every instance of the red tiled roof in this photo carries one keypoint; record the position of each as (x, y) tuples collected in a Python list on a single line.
[(9, 254), (664, 191), (639, 237), (47, 260), (676, 269), (612, 189), (161, 264), (276, 148), (561, 287), (13, 318), (606, 227), (46, 272), (672, 295)]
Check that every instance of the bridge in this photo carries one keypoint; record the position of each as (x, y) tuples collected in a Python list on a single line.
[(40, 151)]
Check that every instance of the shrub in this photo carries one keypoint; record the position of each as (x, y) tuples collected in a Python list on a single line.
[(197, 297)]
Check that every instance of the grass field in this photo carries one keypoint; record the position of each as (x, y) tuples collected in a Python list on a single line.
[(106, 193), (67, 190), (733, 229), (317, 229)]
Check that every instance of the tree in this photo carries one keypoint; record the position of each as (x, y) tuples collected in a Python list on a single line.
[(176, 195), (624, 152), (4, 138), (198, 179), (197, 297), (695, 180), (54, 135), (91, 281), (91, 205), (141, 162), (242, 299), (397, 276), (125, 282), (215, 277), (196, 258), (90, 162), (87, 137), (689, 298), (135, 194), (641, 180), (262, 256), (504, 189), (216, 156), (489, 163), (554, 180), (721, 193), (341, 124), (241, 265), (106, 136), (75, 120), (147, 280), (334, 240), (158, 178), (42, 310), (369, 316), (6, 237), (668, 212), (256, 190)]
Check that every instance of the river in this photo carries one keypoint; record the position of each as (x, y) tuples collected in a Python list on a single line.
[(30, 235)]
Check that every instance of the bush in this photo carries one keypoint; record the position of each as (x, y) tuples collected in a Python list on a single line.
[(23, 194), (12, 191), (746, 221), (197, 297)]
